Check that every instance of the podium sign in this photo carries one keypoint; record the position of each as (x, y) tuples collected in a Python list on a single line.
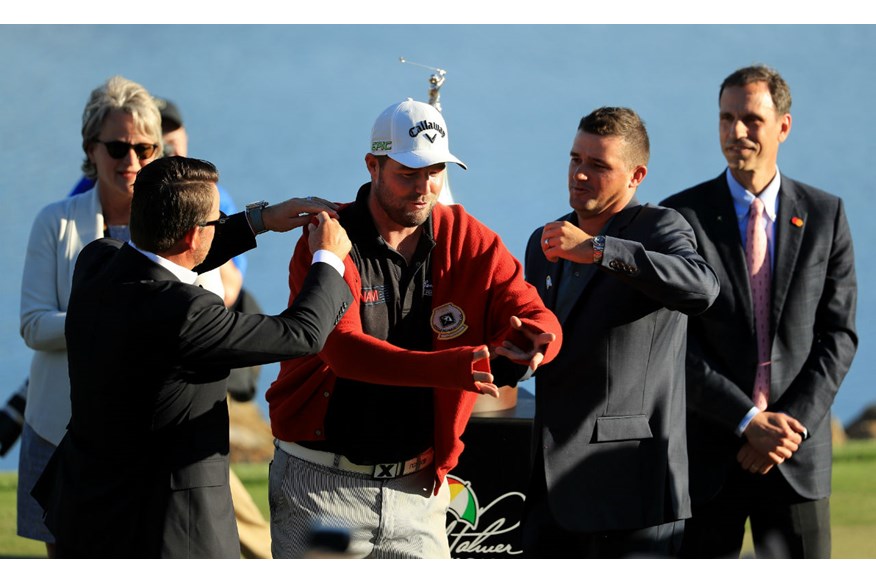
[(488, 486)]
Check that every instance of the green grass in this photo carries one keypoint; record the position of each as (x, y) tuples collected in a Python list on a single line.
[(852, 505), (12, 546), (255, 478)]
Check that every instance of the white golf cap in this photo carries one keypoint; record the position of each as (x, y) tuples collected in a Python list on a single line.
[(412, 133)]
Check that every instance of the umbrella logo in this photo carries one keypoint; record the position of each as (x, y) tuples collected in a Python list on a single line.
[(473, 530), (463, 501)]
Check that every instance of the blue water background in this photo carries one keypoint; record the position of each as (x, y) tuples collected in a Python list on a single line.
[(287, 110)]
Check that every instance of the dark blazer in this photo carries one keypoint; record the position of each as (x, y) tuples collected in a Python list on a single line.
[(812, 322), (610, 408), (143, 468)]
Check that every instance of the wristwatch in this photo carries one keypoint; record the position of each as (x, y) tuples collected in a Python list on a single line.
[(254, 215), (598, 248)]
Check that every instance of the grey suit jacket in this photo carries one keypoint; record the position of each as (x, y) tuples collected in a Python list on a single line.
[(143, 468), (610, 407), (812, 323)]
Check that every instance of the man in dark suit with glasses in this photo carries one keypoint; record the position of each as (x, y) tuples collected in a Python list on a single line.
[(143, 468)]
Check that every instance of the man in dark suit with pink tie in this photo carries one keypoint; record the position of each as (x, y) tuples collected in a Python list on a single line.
[(766, 360)]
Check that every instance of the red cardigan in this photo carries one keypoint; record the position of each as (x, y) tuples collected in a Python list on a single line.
[(473, 271)]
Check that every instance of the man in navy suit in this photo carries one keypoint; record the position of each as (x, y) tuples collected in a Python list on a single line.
[(763, 368), (610, 476)]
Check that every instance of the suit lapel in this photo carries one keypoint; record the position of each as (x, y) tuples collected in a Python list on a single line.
[(591, 275), (559, 277), (551, 283), (789, 229), (721, 221), (572, 286)]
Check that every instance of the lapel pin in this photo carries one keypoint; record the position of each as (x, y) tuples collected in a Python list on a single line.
[(796, 221), (548, 283)]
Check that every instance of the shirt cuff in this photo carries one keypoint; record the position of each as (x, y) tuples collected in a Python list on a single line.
[(325, 256), (746, 420)]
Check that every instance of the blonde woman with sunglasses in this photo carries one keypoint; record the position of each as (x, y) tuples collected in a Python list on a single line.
[(121, 133)]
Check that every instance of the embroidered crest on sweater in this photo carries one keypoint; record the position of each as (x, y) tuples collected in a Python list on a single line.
[(448, 321)]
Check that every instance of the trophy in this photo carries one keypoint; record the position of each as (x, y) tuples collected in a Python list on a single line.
[(436, 80)]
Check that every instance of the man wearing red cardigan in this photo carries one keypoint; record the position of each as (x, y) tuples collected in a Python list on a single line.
[(367, 430)]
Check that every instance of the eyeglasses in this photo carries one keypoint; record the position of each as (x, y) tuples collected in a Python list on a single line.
[(118, 149), (214, 222)]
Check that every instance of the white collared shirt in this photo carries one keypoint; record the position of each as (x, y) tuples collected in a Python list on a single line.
[(188, 277), (324, 255), (184, 275), (210, 281)]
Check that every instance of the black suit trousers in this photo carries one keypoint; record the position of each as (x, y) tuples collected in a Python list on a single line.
[(783, 524)]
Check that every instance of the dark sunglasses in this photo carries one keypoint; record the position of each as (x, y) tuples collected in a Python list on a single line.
[(214, 222), (118, 149)]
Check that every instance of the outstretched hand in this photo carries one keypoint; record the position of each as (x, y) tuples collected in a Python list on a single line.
[(483, 380), (538, 343), (294, 213)]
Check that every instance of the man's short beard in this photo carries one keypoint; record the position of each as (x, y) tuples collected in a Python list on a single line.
[(398, 215)]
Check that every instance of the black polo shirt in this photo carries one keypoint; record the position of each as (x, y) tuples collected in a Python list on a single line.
[(371, 423)]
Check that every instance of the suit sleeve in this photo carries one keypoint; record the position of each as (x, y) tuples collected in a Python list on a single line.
[(667, 268), (711, 394), (212, 335), (811, 394), (353, 354), (233, 238)]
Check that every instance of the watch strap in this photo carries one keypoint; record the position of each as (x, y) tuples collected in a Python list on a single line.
[(254, 215), (598, 248)]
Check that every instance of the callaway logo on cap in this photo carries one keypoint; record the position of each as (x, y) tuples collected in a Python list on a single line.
[(412, 133)]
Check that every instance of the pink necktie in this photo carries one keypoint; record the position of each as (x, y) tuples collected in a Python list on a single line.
[(759, 274)]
